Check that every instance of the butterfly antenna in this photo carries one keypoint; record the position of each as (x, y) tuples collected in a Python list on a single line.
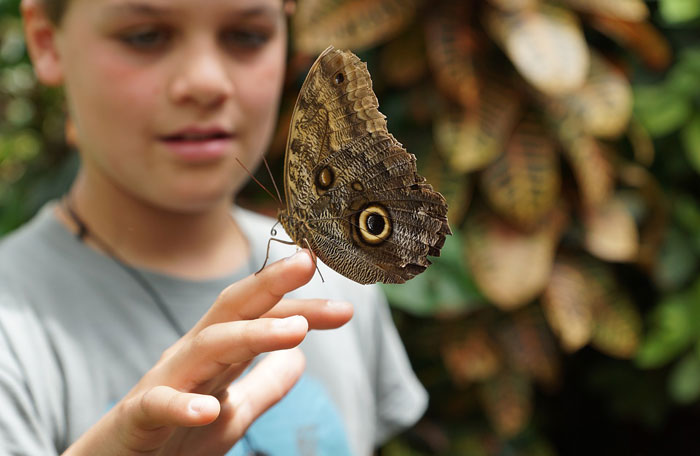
[(279, 200), (274, 184)]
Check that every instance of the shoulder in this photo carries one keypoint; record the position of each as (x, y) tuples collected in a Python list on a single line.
[(27, 234), (31, 375), (24, 266), (41, 262), (22, 251)]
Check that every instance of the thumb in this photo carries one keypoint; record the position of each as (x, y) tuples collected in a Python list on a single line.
[(163, 406), (144, 422), (150, 419)]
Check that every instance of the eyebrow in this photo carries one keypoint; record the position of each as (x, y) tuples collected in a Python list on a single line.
[(135, 8), (145, 9), (258, 11)]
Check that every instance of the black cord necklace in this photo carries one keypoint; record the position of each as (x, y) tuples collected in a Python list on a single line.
[(85, 232)]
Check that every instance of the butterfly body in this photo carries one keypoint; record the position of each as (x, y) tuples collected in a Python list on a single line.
[(353, 192)]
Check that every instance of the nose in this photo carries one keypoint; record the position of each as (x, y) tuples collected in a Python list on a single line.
[(201, 77)]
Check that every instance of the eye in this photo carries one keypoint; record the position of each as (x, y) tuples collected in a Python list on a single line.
[(146, 39), (245, 39)]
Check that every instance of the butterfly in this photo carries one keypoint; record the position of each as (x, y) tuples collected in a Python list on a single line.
[(353, 193)]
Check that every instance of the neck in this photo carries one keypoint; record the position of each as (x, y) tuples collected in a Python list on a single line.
[(200, 244)]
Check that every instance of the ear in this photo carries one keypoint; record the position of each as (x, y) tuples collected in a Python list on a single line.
[(289, 7), (40, 35)]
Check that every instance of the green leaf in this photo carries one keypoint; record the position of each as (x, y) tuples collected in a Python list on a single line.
[(660, 110), (686, 213), (690, 134), (684, 382), (676, 263), (19, 112), (671, 332), (12, 47), (683, 77), (678, 11)]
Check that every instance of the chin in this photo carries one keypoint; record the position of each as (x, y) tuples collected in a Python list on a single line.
[(193, 202), (192, 207)]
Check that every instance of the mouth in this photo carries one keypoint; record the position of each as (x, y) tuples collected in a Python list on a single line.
[(194, 136), (199, 144)]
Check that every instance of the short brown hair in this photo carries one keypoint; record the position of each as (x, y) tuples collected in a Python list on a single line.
[(55, 9)]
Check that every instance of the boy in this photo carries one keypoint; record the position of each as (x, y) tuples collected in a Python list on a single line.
[(115, 337)]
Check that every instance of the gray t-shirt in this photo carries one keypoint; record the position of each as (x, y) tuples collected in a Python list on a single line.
[(77, 332)]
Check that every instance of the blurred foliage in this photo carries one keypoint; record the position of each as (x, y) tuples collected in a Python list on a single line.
[(33, 154), (575, 223), (565, 135), (671, 105)]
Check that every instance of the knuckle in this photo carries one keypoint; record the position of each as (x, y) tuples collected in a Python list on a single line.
[(241, 408), (228, 298), (271, 285), (201, 341), (168, 353), (148, 401), (248, 338), (222, 297), (127, 409)]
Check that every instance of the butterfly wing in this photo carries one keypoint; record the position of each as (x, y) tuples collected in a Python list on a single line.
[(353, 192), (335, 106)]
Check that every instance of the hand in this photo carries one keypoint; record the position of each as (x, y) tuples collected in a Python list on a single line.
[(186, 404)]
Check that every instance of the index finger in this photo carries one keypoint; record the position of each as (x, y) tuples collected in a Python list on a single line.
[(251, 297)]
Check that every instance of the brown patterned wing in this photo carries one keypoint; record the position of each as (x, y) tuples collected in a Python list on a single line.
[(336, 105), (353, 192)]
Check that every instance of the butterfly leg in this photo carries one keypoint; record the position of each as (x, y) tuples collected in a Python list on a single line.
[(281, 241), (267, 253), (313, 255)]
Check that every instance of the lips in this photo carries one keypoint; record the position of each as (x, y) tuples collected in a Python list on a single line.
[(199, 144), (197, 136)]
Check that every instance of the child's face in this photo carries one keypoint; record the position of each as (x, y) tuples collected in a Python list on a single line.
[(166, 94)]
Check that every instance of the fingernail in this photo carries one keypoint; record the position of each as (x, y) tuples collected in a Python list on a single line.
[(204, 405), (338, 305), (299, 257), (295, 323)]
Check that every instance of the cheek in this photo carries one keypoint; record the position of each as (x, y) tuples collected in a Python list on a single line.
[(261, 98), (114, 88), (129, 87), (112, 105)]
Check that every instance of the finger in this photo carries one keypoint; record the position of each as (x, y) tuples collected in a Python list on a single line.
[(219, 346), (146, 421), (267, 383), (320, 313), (218, 386), (251, 297)]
